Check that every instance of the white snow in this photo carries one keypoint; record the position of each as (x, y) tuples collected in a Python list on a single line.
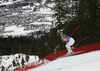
[(43, 1), (39, 23), (37, 4), (24, 7), (15, 30), (14, 14), (44, 11), (83, 62), (50, 5), (7, 61), (49, 18), (8, 3)]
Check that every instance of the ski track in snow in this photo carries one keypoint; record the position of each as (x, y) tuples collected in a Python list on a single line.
[(75, 65)]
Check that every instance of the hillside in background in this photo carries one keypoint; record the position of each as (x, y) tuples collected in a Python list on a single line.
[(22, 18), (24, 27)]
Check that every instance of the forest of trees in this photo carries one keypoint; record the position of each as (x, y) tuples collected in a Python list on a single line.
[(25, 45), (69, 14)]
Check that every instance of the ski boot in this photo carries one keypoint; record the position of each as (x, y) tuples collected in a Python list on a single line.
[(70, 52)]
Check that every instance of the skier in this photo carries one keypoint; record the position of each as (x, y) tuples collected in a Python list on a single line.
[(69, 42)]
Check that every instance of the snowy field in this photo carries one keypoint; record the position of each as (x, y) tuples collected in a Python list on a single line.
[(83, 62)]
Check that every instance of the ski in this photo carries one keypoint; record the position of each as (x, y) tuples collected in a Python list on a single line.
[(66, 55)]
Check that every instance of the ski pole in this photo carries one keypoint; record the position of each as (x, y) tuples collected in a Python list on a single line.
[(75, 30), (81, 40)]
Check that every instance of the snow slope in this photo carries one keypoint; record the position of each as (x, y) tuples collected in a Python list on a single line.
[(83, 62)]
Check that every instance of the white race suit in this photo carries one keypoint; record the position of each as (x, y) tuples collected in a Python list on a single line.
[(70, 43)]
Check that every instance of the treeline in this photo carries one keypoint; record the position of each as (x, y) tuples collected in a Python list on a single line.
[(22, 44)]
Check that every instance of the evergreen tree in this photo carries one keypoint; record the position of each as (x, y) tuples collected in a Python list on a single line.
[(53, 41), (30, 49), (63, 13), (22, 62), (2, 68), (14, 64), (98, 20), (25, 45), (19, 48), (27, 58), (87, 20)]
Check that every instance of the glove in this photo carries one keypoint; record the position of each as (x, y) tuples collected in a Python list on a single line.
[(62, 39), (72, 47)]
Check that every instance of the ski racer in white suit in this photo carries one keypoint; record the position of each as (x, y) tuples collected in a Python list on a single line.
[(69, 42)]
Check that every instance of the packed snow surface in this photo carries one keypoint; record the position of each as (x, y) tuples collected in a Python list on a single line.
[(83, 62)]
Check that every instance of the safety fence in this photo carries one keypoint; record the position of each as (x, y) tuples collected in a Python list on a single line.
[(55, 55)]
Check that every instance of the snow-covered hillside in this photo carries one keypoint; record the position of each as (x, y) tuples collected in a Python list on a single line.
[(83, 62), (30, 16), (8, 2), (11, 62)]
